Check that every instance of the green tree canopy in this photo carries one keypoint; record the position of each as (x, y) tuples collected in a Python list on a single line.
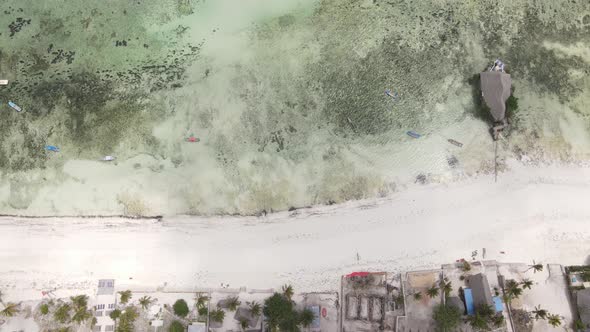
[(232, 303), (288, 291), (244, 324), (540, 313), (125, 296), (10, 309), (526, 283), (513, 291), (176, 326), (276, 308), (432, 292), (446, 287), (554, 320), (306, 317), (79, 301), (201, 300), (537, 267), (447, 317), (255, 308), (126, 320), (81, 315), (217, 315), (62, 314), (180, 308), (145, 302), (279, 312), (478, 322), (115, 314)]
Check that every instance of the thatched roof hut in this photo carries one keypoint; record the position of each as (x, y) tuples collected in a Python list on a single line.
[(495, 87)]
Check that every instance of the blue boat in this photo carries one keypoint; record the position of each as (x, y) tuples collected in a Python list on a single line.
[(15, 106), (413, 134), (51, 148), (390, 94)]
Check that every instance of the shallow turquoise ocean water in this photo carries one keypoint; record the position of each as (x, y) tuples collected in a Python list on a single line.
[(287, 99)]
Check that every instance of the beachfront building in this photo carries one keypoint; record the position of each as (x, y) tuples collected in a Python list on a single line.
[(365, 298), (104, 304), (479, 293), (496, 87)]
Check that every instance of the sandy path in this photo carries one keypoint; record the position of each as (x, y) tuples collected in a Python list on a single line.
[(531, 213)]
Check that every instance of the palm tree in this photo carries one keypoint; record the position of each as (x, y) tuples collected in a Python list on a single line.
[(233, 303), (512, 289), (288, 291), (255, 308), (306, 317), (244, 323), (145, 302), (527, 283), (446, 287), (10, 309), (418, 296), (125, 296), (217, 315), (478, 322), (81, 315), (115, 314), (498, 320), (201, 300), (484, 310), (540, 313), (79, 301), (466, 266), (554, 320), (537, 267), (62, 314), (432, 292)]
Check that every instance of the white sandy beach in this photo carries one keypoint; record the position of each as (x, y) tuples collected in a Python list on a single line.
[(531, 213)]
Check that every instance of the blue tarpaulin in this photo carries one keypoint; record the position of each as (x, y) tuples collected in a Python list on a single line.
[(498, 304), (469, 301)]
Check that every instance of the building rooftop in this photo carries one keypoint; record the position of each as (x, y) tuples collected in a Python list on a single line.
[(106, 287), (480, 289), (495, 88)]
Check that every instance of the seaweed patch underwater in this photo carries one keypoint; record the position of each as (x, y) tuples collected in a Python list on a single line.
[(286, 98)]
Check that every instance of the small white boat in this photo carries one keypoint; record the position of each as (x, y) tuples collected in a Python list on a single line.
[(14, 106), (3, 82), (108, 158)]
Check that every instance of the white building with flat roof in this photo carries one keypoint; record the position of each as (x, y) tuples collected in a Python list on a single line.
[(104, 304)]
